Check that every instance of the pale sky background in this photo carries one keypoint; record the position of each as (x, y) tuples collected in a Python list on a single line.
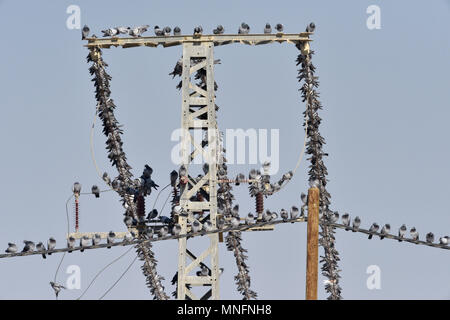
[(385, 120)]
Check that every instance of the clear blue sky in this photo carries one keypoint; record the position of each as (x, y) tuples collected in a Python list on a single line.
[(385, 119)]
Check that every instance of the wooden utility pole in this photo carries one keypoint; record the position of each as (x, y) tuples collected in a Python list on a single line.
[(312, 246)]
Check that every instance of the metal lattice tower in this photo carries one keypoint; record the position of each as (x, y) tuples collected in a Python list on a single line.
[(196, 102)]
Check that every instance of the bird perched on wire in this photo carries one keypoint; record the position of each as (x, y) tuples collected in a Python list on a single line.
[(177, 31), (128, 221), (219, 30), (235, 211), (279, 27), (444, 240), (76, 189), (95, 191), (173, 178), (385, 230), (402, 232), (158, 31), (84, 242), (311, 27), (203, 272), (123, 30), (70, 243), (51, 244), (152, 215), (284, 214), (429, 237), (250, 219), (208, 226), (111, 32), (335, 217), (414, 233), (198, 31), (234, 222), (29, 246), (346, 220), (12, 248), (128, 237), (220, 223), (106, 178), (96, 239), (167, 31), (110, 238), (57, 288), (85, 32), (294, 212), (176, 229), (373, 228), (163, 231), (267, 215), (244, 28), (267, 28), (165, 220), (196, 226), (41, 248), (138, 31), (356, 223)]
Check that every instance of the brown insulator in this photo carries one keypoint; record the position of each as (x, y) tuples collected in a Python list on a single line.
[(175, 198), (140, 206), (77, 208), (259, 203)]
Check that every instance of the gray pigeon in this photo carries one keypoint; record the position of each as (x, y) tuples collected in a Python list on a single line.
[(85, 32), (346, 220), (163, 231), (84, 242), (12, 248), (267, 28), (95, 191), (110, 32), (244, 28), (284, 214), (279, 27), (235, 211), (177, 31), (138, 31), (234, 222), (29, 246), (167, 31), (41, 248), (51, 244), (250, 219), (96, 239), (219, 30), (311, 27), (176, 229), (385, 230), (76, 188), (356, 223), (70, 243), (207, 226), (198, 31), (110, 238), (152, 215), (429, 237), (373, 228), (123, 30), (196, 226), (444, 240), (106, 178), (414, 233), (294, 212), (158, 31), (402, 232), (173, 178), (128, 221), (203, 273)]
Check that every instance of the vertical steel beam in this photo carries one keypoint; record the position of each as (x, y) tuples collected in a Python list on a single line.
[(193, 100)]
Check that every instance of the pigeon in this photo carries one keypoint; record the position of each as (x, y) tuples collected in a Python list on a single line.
[(250, 219), (294, 212), (235, 211), (244, 28), (266, 167), (198, 31), (314, 183), (115, 184), (252, 174), (274, 216), (182, 172), (267, 215), (173, 178), (176, 229), (51, 244), (95, 191), (163, 231), (414, 233), (356, 223), (29, 246), (110, 32), (335, 217), (96, 239), (373, 228), (12, 248), (128, 237), (110, 238), (106, 178), (196, 226), (444, 240), (311, 27), (203, 273), (279, 27), (429, 237), (149, 232), (41, 248), (84, 32), (304, 198), (84, 242), (165, 220), (138, 31), (158, 32), (402, 232), (234, 222), (76, 188), (220, 223), (346, 220), (128, 221), (167, 31), (57, 287), (267, 28), (385, 230), (70, 243), (284, 214), (207, 226), (152, 215), (177, 31), (123, 30), (219, 30)]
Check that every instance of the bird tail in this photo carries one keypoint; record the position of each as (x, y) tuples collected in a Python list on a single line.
[(43, 256)]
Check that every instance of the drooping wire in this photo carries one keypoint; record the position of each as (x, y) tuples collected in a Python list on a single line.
[(121, 276)]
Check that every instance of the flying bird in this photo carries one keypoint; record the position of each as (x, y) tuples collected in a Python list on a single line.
[(346, 220), (176, 31), (41, 248), (267, 28), (279, 27), (85, 32), (51, 244), (356, 223), (373, 228), (12, 248), (402, 232), (219, 30), (110, 238), (429, 237), (29, 246), (95, 191), (385, 230)]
